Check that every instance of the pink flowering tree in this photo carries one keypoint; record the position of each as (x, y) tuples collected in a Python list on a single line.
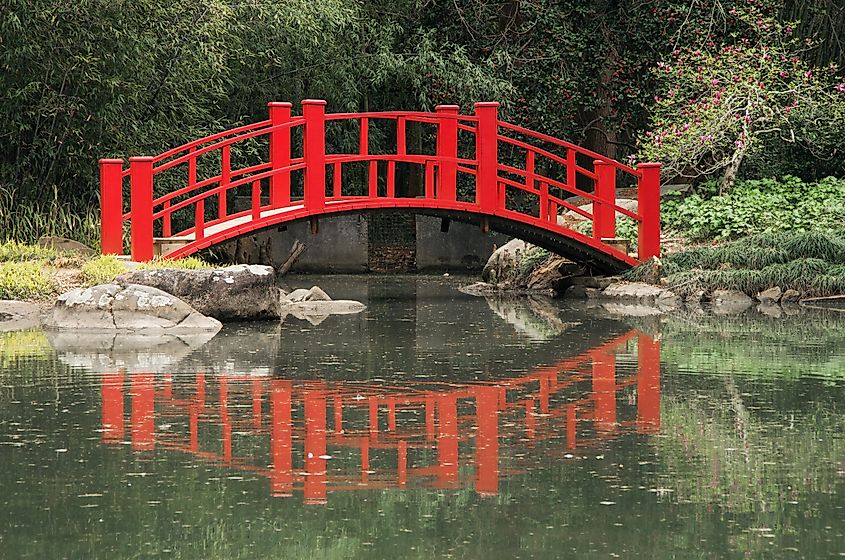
[(720, 103)]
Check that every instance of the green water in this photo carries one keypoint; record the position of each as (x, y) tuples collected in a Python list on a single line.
[(433, 425)]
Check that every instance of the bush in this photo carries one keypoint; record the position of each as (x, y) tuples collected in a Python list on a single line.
[(24, 280), (18, 252), (101, 270), (757, 206)]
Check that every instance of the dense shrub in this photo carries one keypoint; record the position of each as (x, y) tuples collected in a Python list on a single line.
[(757, 206)]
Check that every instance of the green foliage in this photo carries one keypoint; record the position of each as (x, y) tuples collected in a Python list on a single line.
[(26, 220), (190, 263), (24, 280), (101, 270), (813, 263), (532, 258), (757, 206)]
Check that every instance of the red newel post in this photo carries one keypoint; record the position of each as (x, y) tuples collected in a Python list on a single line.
[(487, 154), (111, 207), (648, 206), (141, 201), (279, 154), (447, 151), (604, 214), (314, 111)]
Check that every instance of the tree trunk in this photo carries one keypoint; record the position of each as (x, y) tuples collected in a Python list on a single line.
[(731, 171)]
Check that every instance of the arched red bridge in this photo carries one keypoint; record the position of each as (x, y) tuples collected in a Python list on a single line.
[(478, 170), (390, 436)]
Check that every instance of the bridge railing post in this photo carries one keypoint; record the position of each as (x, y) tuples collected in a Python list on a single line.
[(111, 206), (447, 151), (604, 213), (314, 112), (487, 154), (141, 202), (279, 154), (648, 206)]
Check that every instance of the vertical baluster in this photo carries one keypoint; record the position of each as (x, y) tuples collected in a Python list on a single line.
[(429, 179), (225, 179), (314, 111), (604, 213), (279, 154), (391, 179), (166, 228), (111, 206), (141, 200), (648, 207), (372, 183), (487, 154), (337, 180), (256, 200), (544, 202), (447, 151), (400, 136), (570, 168), (199, 219)]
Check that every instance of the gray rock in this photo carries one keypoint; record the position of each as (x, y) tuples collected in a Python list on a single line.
[(729, 302), (790, 296), (643, 293), (772, 295), (235, 293), (770, 310), (316, 294), (66, 245), (133, 308), (297, 295)]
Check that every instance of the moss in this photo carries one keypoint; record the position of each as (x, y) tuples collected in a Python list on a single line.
[(24, 280), (532, 258), (101, 270)]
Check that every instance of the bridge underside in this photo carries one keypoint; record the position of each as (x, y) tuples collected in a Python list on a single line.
[(595, 256)]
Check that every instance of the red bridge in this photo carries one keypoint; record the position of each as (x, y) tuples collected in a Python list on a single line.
[(478, 170), (390, 436)]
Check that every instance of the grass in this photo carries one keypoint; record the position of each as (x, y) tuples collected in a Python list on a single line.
[(29, 272), (28, 222), (812, 262)]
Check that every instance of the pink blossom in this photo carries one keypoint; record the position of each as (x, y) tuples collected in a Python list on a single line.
[(840, 88)]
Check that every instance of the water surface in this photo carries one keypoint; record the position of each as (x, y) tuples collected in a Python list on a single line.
[(433, 425)]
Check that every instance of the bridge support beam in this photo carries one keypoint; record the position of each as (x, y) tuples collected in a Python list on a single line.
[(111, 206), (279, 154), (604, 213), (314, 112), (648, 206), (447, 151), (487, 154), (141, 184)]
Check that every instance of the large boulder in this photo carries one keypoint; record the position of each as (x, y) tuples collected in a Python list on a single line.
[(19, 315), (132, 308), (518, 266), (235, 293)]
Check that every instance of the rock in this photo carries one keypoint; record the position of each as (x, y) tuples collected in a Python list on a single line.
[(132, 308), (66, 245), (729, 302), (633, 290), (790, 296), (19, 315), (518, 266), (694, 297), (235, 293), (598, 282), (314, 305), (772, 295)]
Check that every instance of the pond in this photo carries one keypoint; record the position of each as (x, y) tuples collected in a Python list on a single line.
[(432, 425)]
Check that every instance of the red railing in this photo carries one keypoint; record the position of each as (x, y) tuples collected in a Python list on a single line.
[(495, 182)]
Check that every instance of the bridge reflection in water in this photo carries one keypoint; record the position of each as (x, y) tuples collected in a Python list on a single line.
[(318, 437)]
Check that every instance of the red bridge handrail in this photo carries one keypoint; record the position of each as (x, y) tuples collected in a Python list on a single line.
[(503, 186)]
